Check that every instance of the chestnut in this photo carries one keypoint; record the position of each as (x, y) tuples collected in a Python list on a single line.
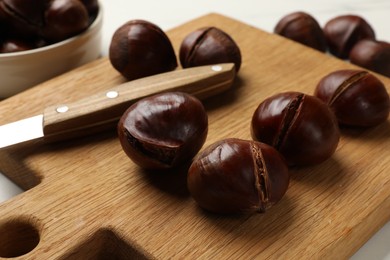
[(301, 127), (209, 45), (238, 176), (357, 97), (303, 28), (343, 32), (372, 55), (163, 131), (139, 48), (44, 21), (22, 18), (64, 18)]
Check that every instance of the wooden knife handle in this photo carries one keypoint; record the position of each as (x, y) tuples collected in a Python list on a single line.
[(100, 111)]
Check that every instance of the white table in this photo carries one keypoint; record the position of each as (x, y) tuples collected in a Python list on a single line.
[(259, 13)]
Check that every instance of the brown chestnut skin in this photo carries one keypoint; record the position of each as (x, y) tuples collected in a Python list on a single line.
[(140, 48), (163, 131), (303, 28), (30, 11), (238, 176), (64, 19), (372, 55), (357, 97), (300, 126), (22, 19), (207, 46), (343, 32)]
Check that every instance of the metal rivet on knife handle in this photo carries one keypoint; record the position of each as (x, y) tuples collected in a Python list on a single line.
[(62, 109), (112, 94), (101, 111), (216, 68)]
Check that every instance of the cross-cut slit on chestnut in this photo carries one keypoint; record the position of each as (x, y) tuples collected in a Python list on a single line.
[(346, 84), (165, 155), (291, 113), (261, 177)]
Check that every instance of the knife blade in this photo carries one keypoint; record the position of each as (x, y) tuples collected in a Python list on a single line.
[(102, 110)]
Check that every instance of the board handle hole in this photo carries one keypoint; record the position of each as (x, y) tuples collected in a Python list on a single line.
[(17, 237)]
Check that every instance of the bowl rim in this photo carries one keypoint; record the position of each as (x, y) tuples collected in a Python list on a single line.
[(90, 29)]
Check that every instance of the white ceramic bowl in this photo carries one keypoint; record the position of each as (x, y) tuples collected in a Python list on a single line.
[(25, 69)]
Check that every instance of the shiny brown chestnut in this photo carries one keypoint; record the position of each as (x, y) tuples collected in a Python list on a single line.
[(303, 28), (22, 18), (208, 46), (53, 20), (163, 131), (357, 97), (301, 127), (372, 55), (64, 18), (343, 32), (140, 48), (238, 176)]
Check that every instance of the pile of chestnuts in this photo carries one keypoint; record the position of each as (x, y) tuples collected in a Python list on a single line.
[(28, 24), (140, 48), (167, 130), (345, 36)]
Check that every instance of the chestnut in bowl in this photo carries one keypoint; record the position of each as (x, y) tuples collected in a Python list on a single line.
[(301, 127), (25, 63), (372, 55), (49, 21), (357, 97), (238, 176), (303, 28), (207, 46), (343, 32), (163, 131), (140, 48)]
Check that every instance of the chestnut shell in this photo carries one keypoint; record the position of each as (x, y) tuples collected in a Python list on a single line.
[(139, 49), (357, 97), (372, 55), (303, 28), (343, 32), (235, 176), (64, 18), (164, 130), (301, 127), (207, 46)]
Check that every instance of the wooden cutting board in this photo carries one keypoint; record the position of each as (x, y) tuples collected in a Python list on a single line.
[(85, 199)]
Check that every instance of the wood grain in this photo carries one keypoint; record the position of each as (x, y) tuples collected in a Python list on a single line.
[(89, 201)]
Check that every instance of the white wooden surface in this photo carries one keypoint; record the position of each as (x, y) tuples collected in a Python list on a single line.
[(258, 13)]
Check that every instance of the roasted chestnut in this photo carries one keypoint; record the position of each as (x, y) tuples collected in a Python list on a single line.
[(357, 97), (343, 32), (301, 127), (208, 46), (238, 176), (163, 131), (372, 55), (303, 28), (140, 48)]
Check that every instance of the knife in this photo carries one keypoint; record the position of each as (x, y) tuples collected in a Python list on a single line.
[(102, 110)]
